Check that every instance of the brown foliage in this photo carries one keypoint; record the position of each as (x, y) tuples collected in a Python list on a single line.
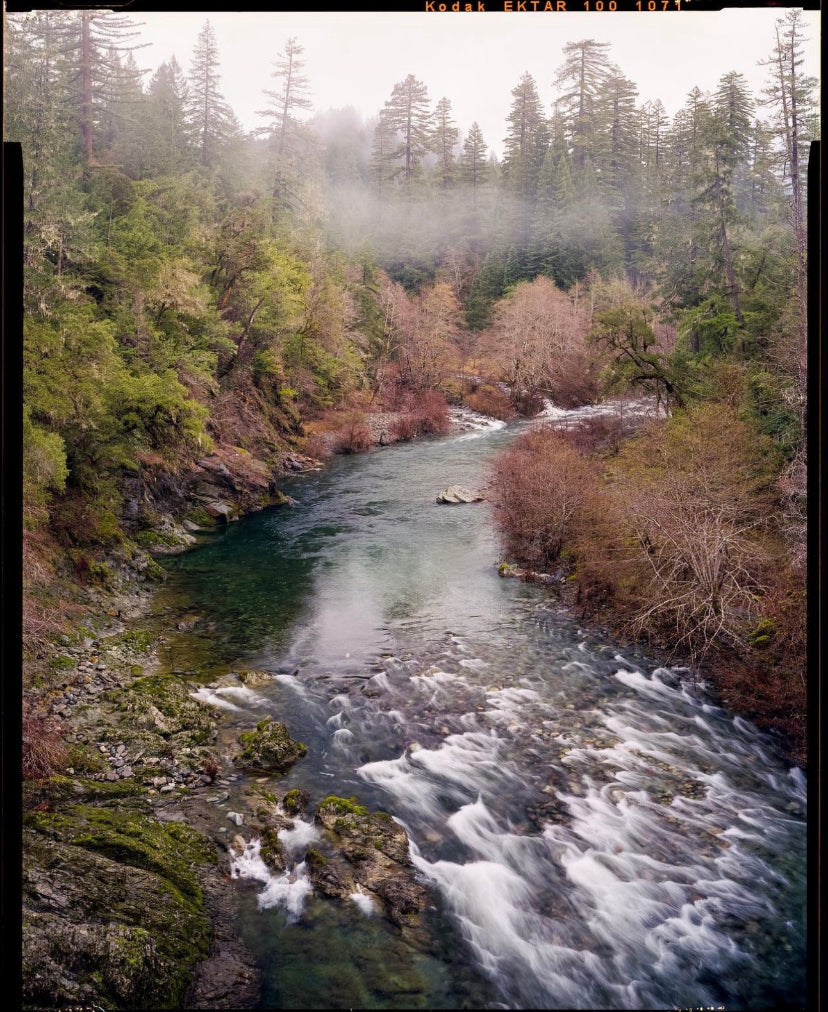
[(44, 753), (538, 341), (427, 415), (696, 493), (543, 487), (490, 401)]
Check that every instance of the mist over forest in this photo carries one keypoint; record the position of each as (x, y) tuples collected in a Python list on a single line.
[(190, 285)]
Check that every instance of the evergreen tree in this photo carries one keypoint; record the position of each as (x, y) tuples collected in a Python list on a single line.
[(790, 97), (94, 44), (583, 75), (383, 154), (473, 163), (38, 92), (444, 142), (407, 113), (209, 116), (524, 147), (283, 128), (616, 144)]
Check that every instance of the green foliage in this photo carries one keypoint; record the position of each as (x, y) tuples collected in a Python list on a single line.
[(773, 403), (344, 806), (625, 333)]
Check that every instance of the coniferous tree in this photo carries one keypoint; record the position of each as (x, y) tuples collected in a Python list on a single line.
[(95, 42), (523, 142), (582, 76), (444, 143), (407, 113), (283, 128), (790, 97), (210, 117), (473, 162), (38, 93)]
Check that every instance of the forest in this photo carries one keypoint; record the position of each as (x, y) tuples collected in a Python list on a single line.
[(190, 286), (580, 788)]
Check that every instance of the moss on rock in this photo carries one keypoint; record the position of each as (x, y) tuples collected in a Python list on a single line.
[(269, 748)]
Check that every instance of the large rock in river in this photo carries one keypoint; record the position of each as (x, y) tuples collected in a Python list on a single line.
[(269, 748), (458, 494), (370, 856)]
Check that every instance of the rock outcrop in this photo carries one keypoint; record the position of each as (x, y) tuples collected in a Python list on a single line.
[(366, 852), (269, 748)]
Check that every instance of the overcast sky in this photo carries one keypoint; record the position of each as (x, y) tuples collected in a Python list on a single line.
[(354, 59)]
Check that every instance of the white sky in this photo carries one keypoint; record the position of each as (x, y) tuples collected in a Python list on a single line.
[(354, 59)]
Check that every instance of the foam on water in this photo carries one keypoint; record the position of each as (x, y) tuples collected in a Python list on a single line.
[(230, 697), (289, 889), (363, 901)]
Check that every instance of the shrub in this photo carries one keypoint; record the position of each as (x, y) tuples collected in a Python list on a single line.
[(426, 415), (543, 486), (490, 401), (697, 492)]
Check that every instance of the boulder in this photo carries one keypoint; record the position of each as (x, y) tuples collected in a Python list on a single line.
[(458, 494), (269, 748), (371, 854)]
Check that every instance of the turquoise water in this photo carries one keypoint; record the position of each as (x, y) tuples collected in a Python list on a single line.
[(596, 833)]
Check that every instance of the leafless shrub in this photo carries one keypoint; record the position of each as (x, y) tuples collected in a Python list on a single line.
[(542, 485), (491, 401), (696, 495)]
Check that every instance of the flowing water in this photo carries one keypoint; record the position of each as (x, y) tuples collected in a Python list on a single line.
[(598, 834)]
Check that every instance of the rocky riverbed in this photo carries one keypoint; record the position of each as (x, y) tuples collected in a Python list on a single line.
[(128, 894)]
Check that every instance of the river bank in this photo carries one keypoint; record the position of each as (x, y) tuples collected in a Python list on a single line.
[(418, 681), (141, 808)]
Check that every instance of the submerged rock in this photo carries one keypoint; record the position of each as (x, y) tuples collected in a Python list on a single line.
[(269, 748), (458, 494)]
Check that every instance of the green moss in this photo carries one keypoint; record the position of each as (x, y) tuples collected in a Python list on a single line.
[(84, 759), (155, 572), (269, 748), (315, 859), (139, 640), (763, 633), (155, 539), (295, 800), (200, 517), (61, 663), (344, 806), (130, 837), (100, 573)]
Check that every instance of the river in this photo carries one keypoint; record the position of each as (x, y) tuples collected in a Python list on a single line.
[(597, 832)]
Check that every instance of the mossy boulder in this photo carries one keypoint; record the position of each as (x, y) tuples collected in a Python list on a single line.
[(269, 748), (368, 851), (113, 913), (296, 801)]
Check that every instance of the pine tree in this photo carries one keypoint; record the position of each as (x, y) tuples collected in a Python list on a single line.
[(617, 142), (38, 91), (524, 147), (283, 129), (790, 96), (208, 114), (583, 75), (407, 113), (473, 163), (94, 45), (383, 154), (444, 142)]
